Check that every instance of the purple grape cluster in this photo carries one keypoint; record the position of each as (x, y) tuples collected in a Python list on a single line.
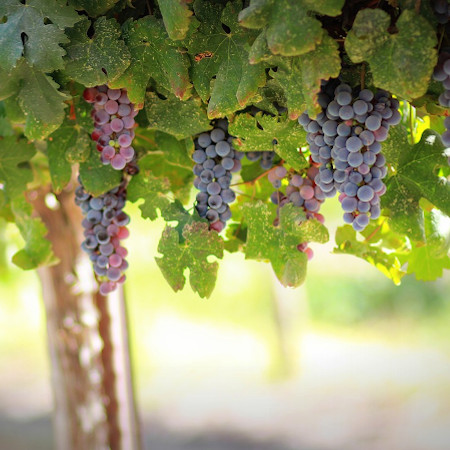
[(104, 226), (301, 191), (442, 73), (441, 10), (345, 140), (265, 158), (215, 160), (113, 115)]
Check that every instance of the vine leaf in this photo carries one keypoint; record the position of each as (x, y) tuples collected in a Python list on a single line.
[(300, 76), (97, 60), (94, 7), (372, 250), (413, 179), (178, 118), (153, 55), (289, 27), (27, 32), (38, 250), (428, 261), (177, 17), (265, 133), (153, 190), (220, 49), (279, 244), (96, 177), (401, 63), (15, 172), (190, 250), (61, 141)]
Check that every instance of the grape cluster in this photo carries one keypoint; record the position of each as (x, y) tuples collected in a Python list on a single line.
[(345, 141), (113, 115), (301, 191), (441, 10), (265, 158), (442, 73), (104, 226), (215, 160)]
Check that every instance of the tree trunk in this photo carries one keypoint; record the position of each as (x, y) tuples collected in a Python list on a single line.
[(88, 343)]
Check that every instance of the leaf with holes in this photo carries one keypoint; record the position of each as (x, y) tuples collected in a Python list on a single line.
[(301, 76), (38, 250), (289, 26), (279, 244), (219, 49), (190, 251), (34, 29), (401, 63), (98, 59), (15, 171), (177, 17), (173, 116), (153, 190), (153, 55), (264, 133), (415, 177)]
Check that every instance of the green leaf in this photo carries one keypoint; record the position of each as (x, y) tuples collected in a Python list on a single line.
[(153, 55), (153, 190), (191, 250), (401, 63), (98, 178), (27, 32), (94, 7), (428, 261), (15, 171), (173, 116), (60, 142), (372, 248), (415, 178), (97, 60), (236, 81), (177, 16), (300, 76), (38, 250), (279, 244), (289, 26), (264, 133)]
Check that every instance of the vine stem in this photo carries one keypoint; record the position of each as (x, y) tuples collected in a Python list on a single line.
[(417, 6), (374, 232), (411, 123)]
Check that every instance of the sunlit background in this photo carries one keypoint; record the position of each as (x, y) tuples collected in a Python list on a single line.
[(348, 361)]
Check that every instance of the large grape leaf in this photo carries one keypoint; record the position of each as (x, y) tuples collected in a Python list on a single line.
[(378, 238), (15, 173), (300, 76), (28, 32), (153, 55), (264, 133), (415, 178), (38, 250), (98, 59), (182, 119), (170, 159), (289, 25), (98, 178), (177, 16), (153, 190), (279, 244), (219, 49), (428, 261), (401, 63), (94, 7), (191, 250)]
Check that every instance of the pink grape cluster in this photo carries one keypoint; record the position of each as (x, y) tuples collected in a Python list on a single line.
[(104, 226), (302, 192), (113, 115)]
